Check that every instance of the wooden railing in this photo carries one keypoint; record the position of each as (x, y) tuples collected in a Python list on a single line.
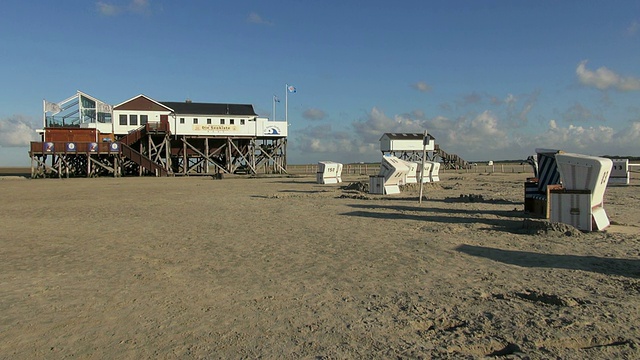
[(451, 161), (143, 161), (60, 147)]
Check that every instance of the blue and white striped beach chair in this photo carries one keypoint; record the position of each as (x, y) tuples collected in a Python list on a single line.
[(536, 189)]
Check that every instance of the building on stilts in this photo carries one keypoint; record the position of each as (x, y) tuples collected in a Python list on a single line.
[(85, 137)]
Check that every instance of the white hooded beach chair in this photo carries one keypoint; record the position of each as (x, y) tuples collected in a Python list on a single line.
[(329, 172), (579, 202), (392, 173)]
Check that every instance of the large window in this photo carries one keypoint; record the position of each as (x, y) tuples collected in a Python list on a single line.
[(144, 119), (123, 119), (133, 119)]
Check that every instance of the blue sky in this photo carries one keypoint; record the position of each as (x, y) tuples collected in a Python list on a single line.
[(488, 79)]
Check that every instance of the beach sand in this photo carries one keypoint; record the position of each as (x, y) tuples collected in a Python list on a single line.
[(283, 267)]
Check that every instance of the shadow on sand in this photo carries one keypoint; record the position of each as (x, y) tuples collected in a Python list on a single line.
[(511, 226), (422, 209), (608, 266), (306, 191), (503, 220)]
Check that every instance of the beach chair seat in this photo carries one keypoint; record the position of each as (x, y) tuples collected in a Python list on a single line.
[(536, 195)]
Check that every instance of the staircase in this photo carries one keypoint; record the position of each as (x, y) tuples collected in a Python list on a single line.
[(134, 136), (450, 161), (142, 160)]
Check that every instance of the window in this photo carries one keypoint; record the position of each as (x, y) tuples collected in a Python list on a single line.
[(104, 118), (232, 121), (208, 121), (241, 121), (123, 119), (195, 120), (133, 119), (181, 120), (144, 119), (221, 121)]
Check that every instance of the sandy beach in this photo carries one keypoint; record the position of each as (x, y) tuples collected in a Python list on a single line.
[(283, 267)]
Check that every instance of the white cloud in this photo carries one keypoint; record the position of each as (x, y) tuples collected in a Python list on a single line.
[(445, 107), (377, 123), (139, 6), (587, 140), (486, 124), (107, 9), (604, 79), (16, 131), (255, 18), (135, 6), (470, 99), (633, 28), (314, 114), (421, 86), (439, 123), (581, 114), (482, 136), (469, 135), (317, 143), (514, 109), (518, 117), (629, 136)]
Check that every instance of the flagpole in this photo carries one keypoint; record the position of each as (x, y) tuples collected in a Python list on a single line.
[(286, 102), (274, 108)]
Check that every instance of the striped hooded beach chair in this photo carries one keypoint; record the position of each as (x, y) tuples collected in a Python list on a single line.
[(546, 174)]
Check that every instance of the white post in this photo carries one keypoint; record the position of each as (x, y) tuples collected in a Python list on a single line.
[(425, 140), (274, 108), (286, 102)]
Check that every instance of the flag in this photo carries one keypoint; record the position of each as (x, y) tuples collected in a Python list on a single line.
[(103, 108), (291, 88), (276, 99), (51, 107)]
